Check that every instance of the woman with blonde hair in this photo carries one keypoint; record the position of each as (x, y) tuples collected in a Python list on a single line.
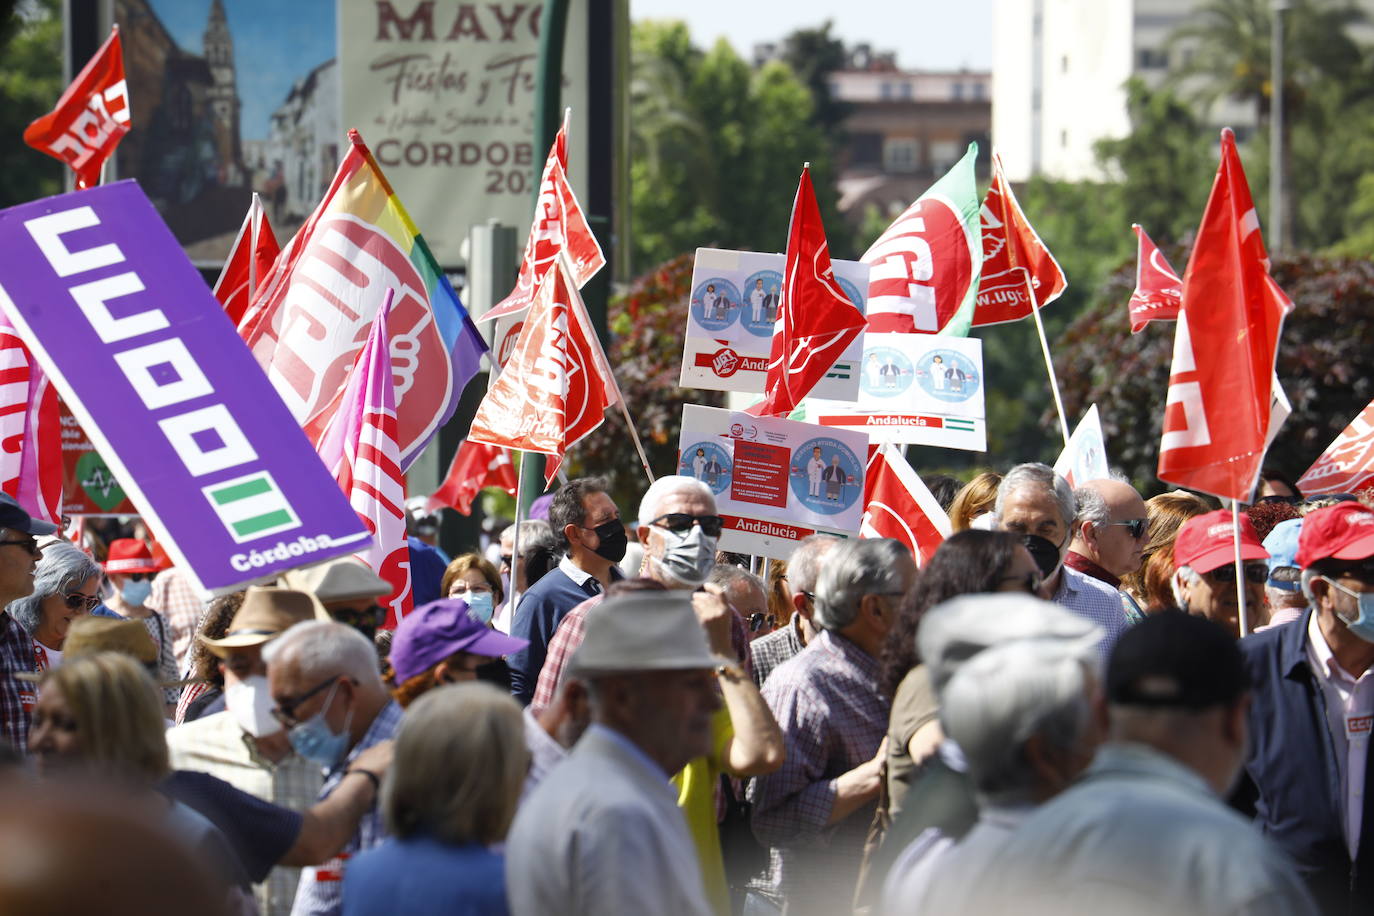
[(977, 498), (477, 582), (449, 798), (1167, 512)]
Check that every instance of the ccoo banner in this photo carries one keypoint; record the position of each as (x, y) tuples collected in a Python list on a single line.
[(156, 375)]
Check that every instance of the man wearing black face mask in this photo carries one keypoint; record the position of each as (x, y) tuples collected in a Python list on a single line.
[(587, 526), (1036, 503)]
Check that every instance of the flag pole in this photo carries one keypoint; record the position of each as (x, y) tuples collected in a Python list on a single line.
[(515, 539), (253, 208), (1049, 364), (1240, 569)]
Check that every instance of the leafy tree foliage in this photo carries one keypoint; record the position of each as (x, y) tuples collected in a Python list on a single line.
[(30, 84)]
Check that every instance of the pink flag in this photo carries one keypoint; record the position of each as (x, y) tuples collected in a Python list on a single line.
[(30, 431), (359, 446), (1347, 465), (900, 506), (475, 466), (1158, 290)]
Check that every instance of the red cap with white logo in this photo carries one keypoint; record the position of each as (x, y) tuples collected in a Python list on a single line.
[(1344, 531), (1207, 541)]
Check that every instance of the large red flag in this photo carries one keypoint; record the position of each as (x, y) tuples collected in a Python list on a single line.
[(557, 384), (1158, 290), (816, 320), (475, 466), (91, 117), (1017, 267), (899, 505), (30, 430), (1347, 465), (1217, 411), (559, 226), (249, 262)]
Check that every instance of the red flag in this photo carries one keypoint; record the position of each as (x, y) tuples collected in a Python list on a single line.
[(1217, 411), (30, 430), (1158, 290), (475, 466), (1347, 465), (899, 505), (557, 384), (91, 117), (816, 320), (1016, 264), (559, 226), (249, 262)]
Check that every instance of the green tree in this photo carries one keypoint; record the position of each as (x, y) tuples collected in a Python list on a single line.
[(30, 84), (813, 55)]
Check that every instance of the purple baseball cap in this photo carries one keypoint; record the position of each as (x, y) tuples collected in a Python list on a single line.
[(429, 634)]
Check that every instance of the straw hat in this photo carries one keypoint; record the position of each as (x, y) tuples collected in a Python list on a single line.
[(265, 614)]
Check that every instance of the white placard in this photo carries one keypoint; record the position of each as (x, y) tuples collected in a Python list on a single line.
[(1085, 457)]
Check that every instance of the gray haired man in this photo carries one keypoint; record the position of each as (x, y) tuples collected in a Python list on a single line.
[(803, 568)]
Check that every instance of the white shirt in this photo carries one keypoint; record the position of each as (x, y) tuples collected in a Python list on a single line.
[(1349, 716)]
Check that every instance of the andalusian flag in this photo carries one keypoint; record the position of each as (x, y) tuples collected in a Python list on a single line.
[(310, 317)]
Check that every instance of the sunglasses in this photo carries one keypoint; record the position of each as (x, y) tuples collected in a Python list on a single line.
[(30, 545), (76, 600), (1364, 572), (506, 558), (678, 522), (285, 712), (1255, 573), (758, 620), (1136, 526)]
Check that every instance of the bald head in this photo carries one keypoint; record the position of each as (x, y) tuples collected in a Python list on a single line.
[(1105, 510)]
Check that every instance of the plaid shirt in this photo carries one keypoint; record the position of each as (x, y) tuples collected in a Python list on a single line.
[(180, 606), (768, 652), (833, 717), (216, 745), (16, 697), (1094, 601), (321, 889)]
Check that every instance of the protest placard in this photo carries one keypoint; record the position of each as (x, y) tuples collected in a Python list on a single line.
[(776, 481), (1085, 457), (155, 374), (89, 486), (918, 389), (734, 302)]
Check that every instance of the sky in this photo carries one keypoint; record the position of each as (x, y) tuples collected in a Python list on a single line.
[(275, 44), (926, 34)]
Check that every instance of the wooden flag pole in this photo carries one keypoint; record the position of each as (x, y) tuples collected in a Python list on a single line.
[(1240, 567), (1049, 364)]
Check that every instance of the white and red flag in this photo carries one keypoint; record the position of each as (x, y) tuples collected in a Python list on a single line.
[(559, 226), (1347, 465), (475, 466), (816, 319), (91, 117), (1217, 412), (1018, 269), (1158, 290), (899, 505), (359, 446), (556, 385), (30, 430), (249, 262)]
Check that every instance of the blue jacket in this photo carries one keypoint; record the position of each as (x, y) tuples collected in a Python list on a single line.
[(1293, 776)]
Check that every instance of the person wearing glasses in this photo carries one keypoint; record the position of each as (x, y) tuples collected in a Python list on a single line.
[(66, 587), (1110, 542), (1204, 580), (19, 555), (330, 698)]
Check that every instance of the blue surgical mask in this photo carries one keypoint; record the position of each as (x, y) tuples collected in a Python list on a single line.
[(1363, 625), (135, 593), (314, 740), (480, 606)]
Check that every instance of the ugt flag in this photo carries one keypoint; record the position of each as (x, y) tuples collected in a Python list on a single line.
[(1018, 270), (1217, 413), (359, 447), (557, 384), (1347, 465), (926, 265), (816, 320), (308, 320), (91, 117), (249, 262), (1158, 290), (475, 466), (899, 505)]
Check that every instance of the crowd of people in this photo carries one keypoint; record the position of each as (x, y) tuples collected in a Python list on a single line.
[(1079, 704)]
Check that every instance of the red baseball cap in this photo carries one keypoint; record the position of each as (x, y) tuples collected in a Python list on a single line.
[(1344, 531), (1208, 541)]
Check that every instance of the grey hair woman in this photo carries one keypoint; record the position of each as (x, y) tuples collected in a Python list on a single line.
[(66, 586)]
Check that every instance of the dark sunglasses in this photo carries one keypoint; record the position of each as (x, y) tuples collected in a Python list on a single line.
[(76, 600), (1288, 500), (1136, 526), (138, 577), (678, 522), (506, 558), (30, 545), (1364, 572), (757, 621), (1255, 573), (1030, 582), (285, 713)]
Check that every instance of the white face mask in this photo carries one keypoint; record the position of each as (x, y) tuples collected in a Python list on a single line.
[(250, 703), (687, 557)]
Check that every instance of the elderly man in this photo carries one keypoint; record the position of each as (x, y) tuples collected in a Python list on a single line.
[(1204, 581), (1283, 589), (815, 811), (803, 567), (244, 745), (1313, 705), (586, 525), (1145, 830), (330, 697), (1036, 503), (1022, 714), (535, 533), (1111, 536), (18, 532), (602, 833)]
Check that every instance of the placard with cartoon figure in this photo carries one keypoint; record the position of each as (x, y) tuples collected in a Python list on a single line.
[(732, 309), (922, 389), (776, 481)]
